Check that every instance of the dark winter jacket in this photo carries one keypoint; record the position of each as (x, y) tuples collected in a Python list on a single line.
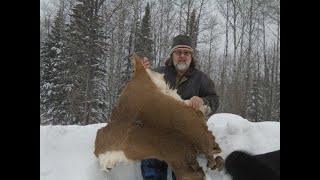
[(194, 83)]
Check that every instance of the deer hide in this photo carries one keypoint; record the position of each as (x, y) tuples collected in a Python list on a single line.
[(150, 120)]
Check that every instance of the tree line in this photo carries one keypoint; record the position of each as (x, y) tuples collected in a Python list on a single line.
[(86, 48)]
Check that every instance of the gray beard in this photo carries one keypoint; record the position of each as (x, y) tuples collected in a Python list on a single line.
[(181, 66)]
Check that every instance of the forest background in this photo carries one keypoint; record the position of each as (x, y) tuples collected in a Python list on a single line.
[(86, 48)]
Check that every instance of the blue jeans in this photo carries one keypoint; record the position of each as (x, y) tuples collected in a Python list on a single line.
[(154, 169)]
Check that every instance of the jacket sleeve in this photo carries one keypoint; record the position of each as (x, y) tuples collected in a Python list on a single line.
[(208, 94)]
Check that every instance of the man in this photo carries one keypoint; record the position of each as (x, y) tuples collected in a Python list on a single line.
[(181, 74)]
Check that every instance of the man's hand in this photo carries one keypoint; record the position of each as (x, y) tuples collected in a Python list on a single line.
[(196, 102), (146, 63)]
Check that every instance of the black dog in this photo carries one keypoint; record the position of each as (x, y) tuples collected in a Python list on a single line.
[(242, 165)]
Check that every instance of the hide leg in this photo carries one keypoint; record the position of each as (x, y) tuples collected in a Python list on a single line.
[(211, 162), (191, 158), (220, 162), (216, 148), (214, 163)]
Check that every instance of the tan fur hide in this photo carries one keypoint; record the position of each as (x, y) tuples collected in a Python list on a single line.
[(151, 121)]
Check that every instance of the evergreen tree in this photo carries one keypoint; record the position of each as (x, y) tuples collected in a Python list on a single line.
[(275, 111), (52, 84), (193, 29), (254, 110), (86, 48), (144, 42)]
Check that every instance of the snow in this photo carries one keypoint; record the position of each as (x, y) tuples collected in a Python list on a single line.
[(66, 152)]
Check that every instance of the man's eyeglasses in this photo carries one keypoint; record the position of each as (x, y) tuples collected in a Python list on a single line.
[(179, 53)]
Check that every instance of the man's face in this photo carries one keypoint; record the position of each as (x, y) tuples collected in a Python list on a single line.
[(181, 59)]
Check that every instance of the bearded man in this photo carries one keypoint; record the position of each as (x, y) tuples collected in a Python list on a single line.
[(180, 73)]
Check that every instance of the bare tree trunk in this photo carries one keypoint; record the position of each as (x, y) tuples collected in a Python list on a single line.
[(225, 59), (160, 32), (276, 97), (234, 28), (188, 15), (234, 94), (196, 34), (180, 15), (227, 33), (248, 77), (88, 96), (266, 83), (210, 50)]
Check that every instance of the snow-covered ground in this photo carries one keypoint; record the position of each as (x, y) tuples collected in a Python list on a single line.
[(66, 152)]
